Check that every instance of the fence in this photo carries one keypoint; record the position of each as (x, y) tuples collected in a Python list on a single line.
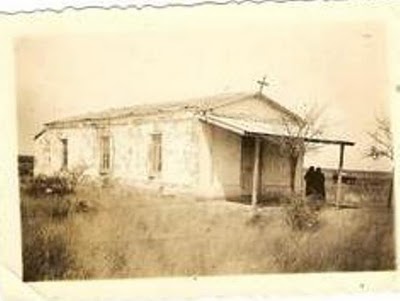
[(360, 188)]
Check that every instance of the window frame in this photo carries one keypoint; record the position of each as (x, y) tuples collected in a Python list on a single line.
[(65, 154), (155, 156), (105, 154)]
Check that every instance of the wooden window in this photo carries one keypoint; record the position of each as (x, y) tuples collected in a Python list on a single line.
[(64, 153), (155, 155), (105, 154)]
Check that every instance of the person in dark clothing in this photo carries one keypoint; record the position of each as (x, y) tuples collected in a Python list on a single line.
[(320, 183), (310, 181)]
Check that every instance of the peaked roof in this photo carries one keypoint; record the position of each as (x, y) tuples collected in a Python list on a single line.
[(198, 104)]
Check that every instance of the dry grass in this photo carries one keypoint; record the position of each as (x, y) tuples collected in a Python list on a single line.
[(124, 233)]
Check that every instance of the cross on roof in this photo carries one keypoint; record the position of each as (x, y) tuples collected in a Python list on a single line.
[(262, 83)]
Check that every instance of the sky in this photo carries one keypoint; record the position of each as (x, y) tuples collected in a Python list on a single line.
[(338, 66)]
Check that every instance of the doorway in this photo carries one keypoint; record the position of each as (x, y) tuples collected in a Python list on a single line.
[(247, 166)]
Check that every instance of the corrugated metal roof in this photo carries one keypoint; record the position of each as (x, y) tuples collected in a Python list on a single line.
[(243, 126), (198, 104), (204, 103), (250, 127)]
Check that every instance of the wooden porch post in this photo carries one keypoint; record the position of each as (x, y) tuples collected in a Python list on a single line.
[(339, 178), (256, 173)]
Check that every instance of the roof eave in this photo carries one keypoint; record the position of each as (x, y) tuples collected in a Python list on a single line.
[(37, 136)]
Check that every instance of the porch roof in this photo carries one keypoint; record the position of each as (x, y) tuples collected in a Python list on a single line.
[(251, 127)]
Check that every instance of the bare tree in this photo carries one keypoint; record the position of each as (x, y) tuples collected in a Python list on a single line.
[(382, 147), (298, 131)]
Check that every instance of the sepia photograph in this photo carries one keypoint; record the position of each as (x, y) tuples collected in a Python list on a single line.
[(194, 145)]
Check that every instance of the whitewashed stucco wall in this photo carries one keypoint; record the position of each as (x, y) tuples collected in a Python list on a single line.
[(252, 108), (81, 150), (179, 159), (130, 144), (219, 162)]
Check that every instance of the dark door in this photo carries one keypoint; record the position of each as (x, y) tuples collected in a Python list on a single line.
[(247, 165)]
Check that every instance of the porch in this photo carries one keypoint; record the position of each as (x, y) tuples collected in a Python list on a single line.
[(253, 134)]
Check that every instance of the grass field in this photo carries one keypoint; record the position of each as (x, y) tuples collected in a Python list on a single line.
[(118, 233)]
